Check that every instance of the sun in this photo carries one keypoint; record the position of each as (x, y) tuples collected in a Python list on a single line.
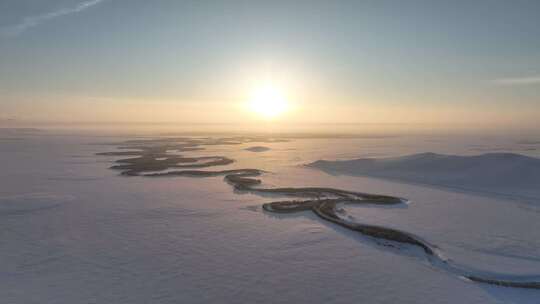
[(268, 101)]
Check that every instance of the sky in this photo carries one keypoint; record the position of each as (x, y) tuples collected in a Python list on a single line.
[(366, 62)]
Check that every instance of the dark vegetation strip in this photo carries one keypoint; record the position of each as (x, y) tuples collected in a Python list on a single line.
[(153, 156)]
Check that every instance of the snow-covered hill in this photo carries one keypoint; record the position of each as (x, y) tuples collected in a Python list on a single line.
[(497, 173)]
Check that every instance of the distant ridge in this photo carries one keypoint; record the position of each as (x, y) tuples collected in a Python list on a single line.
[(18, 130), (257, 149), (495, 173)]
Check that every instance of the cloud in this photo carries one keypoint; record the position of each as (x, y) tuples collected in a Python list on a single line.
[(531, 80), (31, 21)]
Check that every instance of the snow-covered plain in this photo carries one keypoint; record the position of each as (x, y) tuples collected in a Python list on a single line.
[(73, 231)]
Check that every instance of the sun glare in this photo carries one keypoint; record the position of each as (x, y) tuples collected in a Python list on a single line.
[(268, 101)]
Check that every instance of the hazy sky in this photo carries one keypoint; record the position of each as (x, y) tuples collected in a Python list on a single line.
[(336, 61)]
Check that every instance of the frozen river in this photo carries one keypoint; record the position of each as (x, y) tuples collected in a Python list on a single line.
[(74, 231)]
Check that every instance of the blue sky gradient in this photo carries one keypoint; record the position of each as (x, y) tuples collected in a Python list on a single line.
[(348, 54)]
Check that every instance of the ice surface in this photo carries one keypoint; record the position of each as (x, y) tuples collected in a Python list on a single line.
[(73, 231)]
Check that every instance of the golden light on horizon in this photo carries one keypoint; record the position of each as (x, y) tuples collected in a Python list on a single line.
[(268, 101)]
